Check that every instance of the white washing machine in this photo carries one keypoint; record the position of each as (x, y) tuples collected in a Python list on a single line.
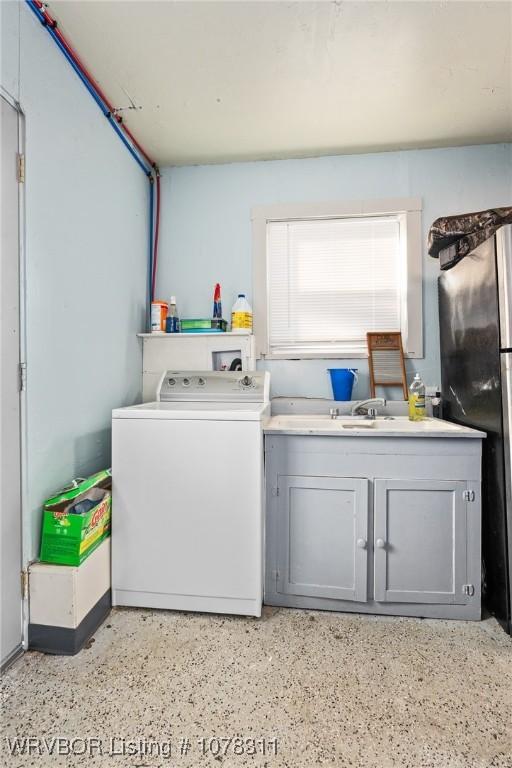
[(187, 494)]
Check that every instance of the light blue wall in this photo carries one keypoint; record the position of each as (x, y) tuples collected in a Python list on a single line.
[(86, 255), (206, 227)]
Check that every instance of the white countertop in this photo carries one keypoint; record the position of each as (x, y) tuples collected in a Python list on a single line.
[(350, 426)]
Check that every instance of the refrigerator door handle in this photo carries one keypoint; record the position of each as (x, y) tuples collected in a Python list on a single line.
[(504, 267)]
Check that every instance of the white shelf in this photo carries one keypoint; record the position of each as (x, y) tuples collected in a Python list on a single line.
[(192, 335)]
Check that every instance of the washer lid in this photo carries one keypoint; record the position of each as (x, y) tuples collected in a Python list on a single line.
[(195, 411)]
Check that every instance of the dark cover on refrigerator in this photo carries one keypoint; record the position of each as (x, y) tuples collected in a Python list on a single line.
[(459, 235)]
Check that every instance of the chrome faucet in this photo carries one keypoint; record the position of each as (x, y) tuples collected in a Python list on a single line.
[(334, 413), (367, 407)]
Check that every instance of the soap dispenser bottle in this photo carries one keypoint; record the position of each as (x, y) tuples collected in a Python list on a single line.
[(417, 399)]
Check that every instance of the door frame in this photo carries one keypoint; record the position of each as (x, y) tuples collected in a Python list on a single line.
[(22, 271)]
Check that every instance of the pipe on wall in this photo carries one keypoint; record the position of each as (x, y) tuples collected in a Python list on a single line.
[(52, 23), (141, 157), (157, 230), (151, 246)]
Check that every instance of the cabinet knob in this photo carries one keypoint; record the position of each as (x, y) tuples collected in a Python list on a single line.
[(361, 543), (380, 543)]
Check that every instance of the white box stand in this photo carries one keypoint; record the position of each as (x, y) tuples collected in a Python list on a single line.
[(68, 603)]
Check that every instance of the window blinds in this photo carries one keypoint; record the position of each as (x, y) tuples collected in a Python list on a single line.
[(330, 281)]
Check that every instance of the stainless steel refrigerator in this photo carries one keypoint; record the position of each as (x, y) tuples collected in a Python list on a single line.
[(475, 315)]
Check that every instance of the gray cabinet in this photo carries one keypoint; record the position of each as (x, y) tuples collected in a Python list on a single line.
[(389, 526), (323, 532), (420, 532)]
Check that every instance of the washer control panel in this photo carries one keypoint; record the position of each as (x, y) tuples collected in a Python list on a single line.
[(214, 386)]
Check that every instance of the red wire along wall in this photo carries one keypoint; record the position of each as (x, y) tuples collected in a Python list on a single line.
[(153, 172)]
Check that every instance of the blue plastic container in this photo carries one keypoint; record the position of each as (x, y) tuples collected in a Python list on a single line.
[(342, 380)]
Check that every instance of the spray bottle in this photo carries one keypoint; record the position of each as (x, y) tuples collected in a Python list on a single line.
[(217, 303)]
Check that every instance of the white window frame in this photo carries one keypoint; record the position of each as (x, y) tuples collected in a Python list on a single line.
[(409, 212)]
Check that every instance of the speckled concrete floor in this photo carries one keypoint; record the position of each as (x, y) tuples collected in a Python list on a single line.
[(329, 689)]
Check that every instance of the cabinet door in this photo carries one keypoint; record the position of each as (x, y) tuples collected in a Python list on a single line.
[(420, 541), (323, 528)]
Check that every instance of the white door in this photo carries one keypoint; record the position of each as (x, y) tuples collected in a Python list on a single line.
[(10, 465), (420, 535), (323, 529)]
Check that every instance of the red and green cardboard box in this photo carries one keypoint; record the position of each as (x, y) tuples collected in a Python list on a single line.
[(77, 519)]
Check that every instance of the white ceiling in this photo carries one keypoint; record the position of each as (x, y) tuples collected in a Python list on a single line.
[(223, 81)]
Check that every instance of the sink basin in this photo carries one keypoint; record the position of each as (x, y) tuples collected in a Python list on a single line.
[(323, 423), (367, 424), (382, 425)]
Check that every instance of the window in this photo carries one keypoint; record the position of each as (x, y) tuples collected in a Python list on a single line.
[(322, 281)]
